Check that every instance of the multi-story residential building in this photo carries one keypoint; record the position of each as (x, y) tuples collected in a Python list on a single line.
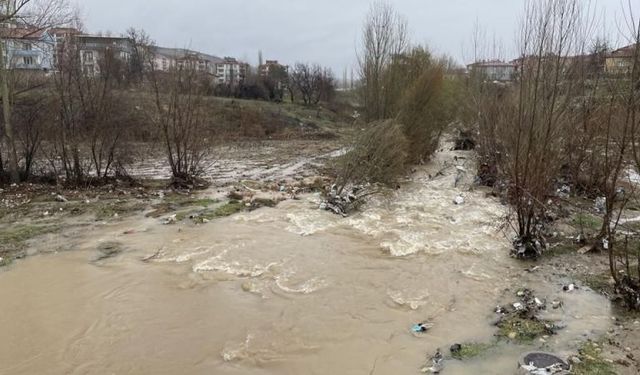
[(270, 66), (92, 49), (494, 70), (166, 59), (27, 49), (231, 71), (621, 61)]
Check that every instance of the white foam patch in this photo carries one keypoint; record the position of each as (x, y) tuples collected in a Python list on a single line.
[(413, 300)]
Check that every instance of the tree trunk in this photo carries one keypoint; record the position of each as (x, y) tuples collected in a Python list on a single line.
[(6, 109)]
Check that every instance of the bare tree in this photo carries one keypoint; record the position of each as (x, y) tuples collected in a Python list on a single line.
[(312, 82), (529, 119), (140, 49), (31, 16), (93, 119), (179, 115), (622, 152), (384, 36)]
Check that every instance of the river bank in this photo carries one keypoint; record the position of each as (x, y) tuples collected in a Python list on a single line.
[(161, 282)]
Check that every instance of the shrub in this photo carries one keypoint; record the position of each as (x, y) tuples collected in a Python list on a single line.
[(379, 155)]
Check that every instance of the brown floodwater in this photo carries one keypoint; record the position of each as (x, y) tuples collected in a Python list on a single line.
[(286, 290)]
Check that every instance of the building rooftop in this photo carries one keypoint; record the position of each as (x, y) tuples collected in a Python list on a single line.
[(626, 51), (492, 63), (183, 53)]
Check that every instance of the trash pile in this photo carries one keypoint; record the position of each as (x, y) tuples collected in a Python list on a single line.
[(421, 327), (435, 364), (519, 321), (543, 364), (344, 202), (528, 303), (465, 141), (528, 248)]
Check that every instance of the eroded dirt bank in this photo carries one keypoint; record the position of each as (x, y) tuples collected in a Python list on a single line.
[(287, 289)]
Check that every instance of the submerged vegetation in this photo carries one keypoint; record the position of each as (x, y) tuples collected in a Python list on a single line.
[(591, 361), (523, 329), (14, 238), (469, 350)]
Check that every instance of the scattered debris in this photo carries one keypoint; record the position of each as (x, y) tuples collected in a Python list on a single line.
[(465, 141), (421, 327), (585, 250), (152, 256), (601, 204), (435, 364), (556, 304), (109, 249), (345, 202), (528, 248), (543, 364), (169, 220), (591, 361), (570, 287), (460, 174), (459, 200), (564, 191), (519, 322)]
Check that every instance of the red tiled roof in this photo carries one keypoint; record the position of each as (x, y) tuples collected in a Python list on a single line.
[(21, 33), (626, 51)]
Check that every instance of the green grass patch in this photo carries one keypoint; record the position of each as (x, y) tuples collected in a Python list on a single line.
[(263, 202), (587, 221), (176, 202), (202, 202), (227, 209), (470, 350), (5, 262), (522, 329), (561, 248), (115, 209), (599, 282), (591, 361), (17, 234), (13, 239)]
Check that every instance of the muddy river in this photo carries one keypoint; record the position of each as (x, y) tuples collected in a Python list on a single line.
[(285, 290)]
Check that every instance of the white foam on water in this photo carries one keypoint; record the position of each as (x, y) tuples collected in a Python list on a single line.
[(308, 222), (284, 283), (411, 299)]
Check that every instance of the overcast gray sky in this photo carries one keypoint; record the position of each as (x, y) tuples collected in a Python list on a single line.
[(323, 31)]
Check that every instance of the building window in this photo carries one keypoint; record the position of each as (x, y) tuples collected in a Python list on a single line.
[(87, 56), (28, 60), (27, 46)]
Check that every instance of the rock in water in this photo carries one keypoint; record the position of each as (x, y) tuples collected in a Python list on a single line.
[(455, 348)]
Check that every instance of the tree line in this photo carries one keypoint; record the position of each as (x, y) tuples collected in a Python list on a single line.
[(564, 127), (80, 127)]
